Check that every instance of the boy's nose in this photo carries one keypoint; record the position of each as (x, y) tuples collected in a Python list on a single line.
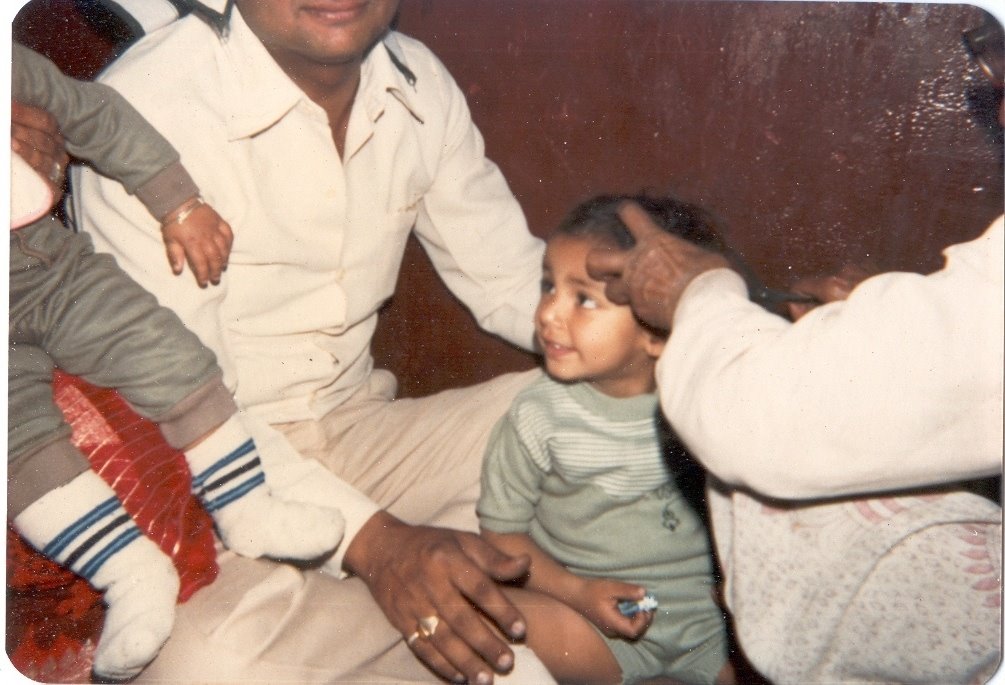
[(549, 313)]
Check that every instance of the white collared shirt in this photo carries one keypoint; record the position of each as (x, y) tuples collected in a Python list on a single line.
[(318, 240)]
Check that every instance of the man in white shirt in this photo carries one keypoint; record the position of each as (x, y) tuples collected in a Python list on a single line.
[(323, 137)]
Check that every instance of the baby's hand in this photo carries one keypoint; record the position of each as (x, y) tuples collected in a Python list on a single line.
[(598, 600), (195, 233)]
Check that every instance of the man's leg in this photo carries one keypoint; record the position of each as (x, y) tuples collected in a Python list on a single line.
[(267, 622), (419, 458)]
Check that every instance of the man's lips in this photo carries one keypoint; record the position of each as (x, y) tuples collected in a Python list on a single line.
[(336, 12)]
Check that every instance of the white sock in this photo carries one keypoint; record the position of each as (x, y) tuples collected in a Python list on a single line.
[(227, 477), (83, 526)]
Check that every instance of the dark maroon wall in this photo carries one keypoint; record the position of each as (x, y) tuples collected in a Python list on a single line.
[(818, 133)]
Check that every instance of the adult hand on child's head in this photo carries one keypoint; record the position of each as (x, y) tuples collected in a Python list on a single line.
[(415, 572), (34, 134), (829, 288), (196, 234), (653, 274)]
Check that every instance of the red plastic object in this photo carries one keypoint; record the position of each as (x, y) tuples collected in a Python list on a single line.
[(53, 616)]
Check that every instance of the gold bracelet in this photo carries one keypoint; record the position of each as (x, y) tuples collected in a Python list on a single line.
[(184, 214)]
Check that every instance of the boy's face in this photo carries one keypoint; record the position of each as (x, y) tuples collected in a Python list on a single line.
[(584, 336)]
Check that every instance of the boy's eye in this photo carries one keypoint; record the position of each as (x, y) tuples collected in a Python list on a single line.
[(586, 302), (547, 286)]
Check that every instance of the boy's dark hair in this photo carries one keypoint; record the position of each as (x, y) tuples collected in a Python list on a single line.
[(598, 218)]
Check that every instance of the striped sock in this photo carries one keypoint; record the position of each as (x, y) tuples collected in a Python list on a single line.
[(83, 526), (228, 479)]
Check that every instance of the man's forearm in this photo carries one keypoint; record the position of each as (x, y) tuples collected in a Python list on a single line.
[(849, 399)]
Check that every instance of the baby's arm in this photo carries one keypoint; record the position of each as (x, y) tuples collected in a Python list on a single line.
[(195, 233), (596, 599), (101, 127)]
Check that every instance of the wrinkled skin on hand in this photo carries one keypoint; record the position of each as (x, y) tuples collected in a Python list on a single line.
[(652, 275), (418, 571)]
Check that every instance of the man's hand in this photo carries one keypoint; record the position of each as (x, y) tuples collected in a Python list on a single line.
[(652, 275), (415, 572), (597, 599), (34, 134), (195, 233), (830, 288)]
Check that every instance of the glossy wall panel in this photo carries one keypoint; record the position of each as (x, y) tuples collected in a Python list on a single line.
[(818, 133)]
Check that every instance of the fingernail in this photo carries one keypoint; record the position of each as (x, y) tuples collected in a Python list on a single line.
[(483, 678), (505, 662), (518, 629)]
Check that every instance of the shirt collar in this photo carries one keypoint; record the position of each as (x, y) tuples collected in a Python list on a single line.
[(386, 74), (260, 93)]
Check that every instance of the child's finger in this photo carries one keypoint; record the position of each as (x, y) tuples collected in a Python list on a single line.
[(216, 262), (227, 234), (640, 624), (223, 245), (215, 269), (620, 625), (176, 257), (200, 268)]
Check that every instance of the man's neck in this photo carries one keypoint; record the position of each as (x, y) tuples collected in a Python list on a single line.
[(332, 86)]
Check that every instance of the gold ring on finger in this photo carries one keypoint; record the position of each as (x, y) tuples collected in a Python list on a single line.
[(427, 625)]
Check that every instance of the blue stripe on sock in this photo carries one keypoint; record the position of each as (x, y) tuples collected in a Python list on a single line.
[(116, 545), (96, 539), (58, 543), (255, 463), (227, 497), (242, 450)]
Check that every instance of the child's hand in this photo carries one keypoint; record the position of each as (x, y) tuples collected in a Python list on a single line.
[(195, 233), (598, 601)]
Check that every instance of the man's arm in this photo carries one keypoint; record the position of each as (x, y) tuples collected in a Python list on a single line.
[(899, 386), (474, 230)]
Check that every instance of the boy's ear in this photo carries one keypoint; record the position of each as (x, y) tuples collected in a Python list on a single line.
[(654, 343)]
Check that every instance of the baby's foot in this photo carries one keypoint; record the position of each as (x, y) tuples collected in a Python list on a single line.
[(260, 524), (227, 477), (82, 526), (140, 608)]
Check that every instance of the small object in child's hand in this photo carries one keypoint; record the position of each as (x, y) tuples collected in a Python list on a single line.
[(630, 608)]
